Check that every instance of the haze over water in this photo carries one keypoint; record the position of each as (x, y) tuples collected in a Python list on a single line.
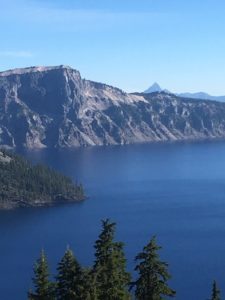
[(176, 191)]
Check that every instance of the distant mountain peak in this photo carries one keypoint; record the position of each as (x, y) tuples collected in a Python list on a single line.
[(153, 88), (198, 95)]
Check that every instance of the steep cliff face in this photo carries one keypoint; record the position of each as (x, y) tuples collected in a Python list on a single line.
[(55, 107)]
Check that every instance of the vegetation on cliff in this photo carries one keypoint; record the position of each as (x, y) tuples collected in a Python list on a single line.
[(23, 184)]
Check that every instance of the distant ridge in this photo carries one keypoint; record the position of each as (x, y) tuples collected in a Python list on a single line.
[(200, 95)]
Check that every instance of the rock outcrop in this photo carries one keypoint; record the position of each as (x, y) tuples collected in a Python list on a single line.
[(55, 107)]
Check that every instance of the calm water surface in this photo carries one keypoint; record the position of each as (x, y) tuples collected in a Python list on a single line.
[(176, 191)]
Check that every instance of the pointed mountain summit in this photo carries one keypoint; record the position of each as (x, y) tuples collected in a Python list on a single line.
[(199, 95), (154, 88)]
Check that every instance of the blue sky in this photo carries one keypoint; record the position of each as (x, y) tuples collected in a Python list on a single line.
[(126, 43)]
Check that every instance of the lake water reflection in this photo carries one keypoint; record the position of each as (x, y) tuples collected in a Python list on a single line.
[(176, 191)]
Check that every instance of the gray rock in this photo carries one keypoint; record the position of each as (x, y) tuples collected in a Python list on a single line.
[(55, 107)]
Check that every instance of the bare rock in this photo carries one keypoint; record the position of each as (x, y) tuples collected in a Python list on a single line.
[(55, 107)]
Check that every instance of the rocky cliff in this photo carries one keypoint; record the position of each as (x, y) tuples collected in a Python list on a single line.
[(55, 107)]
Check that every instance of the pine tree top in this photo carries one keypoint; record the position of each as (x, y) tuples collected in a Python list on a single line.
[(215, 291)]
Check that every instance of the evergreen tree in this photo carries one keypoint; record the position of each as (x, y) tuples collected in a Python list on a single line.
[(70, 279), (43, 287), (153, 274), (215, 292), (110, 277), (89, 285)]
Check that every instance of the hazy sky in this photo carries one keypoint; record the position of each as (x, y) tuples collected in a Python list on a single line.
[(126, 43)]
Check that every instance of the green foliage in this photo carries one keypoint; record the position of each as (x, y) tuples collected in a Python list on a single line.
[(215, 292), (22, 184), (44, 289), (89, 285), (70, 279), (153, 275), (108, 278), (111, 278)]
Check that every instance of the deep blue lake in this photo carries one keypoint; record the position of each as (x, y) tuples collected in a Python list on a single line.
[(175, 191)]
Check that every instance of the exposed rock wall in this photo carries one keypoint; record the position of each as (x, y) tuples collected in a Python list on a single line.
[(55, 107)]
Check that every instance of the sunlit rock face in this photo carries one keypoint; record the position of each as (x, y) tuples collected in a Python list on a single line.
[(55, 107)]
